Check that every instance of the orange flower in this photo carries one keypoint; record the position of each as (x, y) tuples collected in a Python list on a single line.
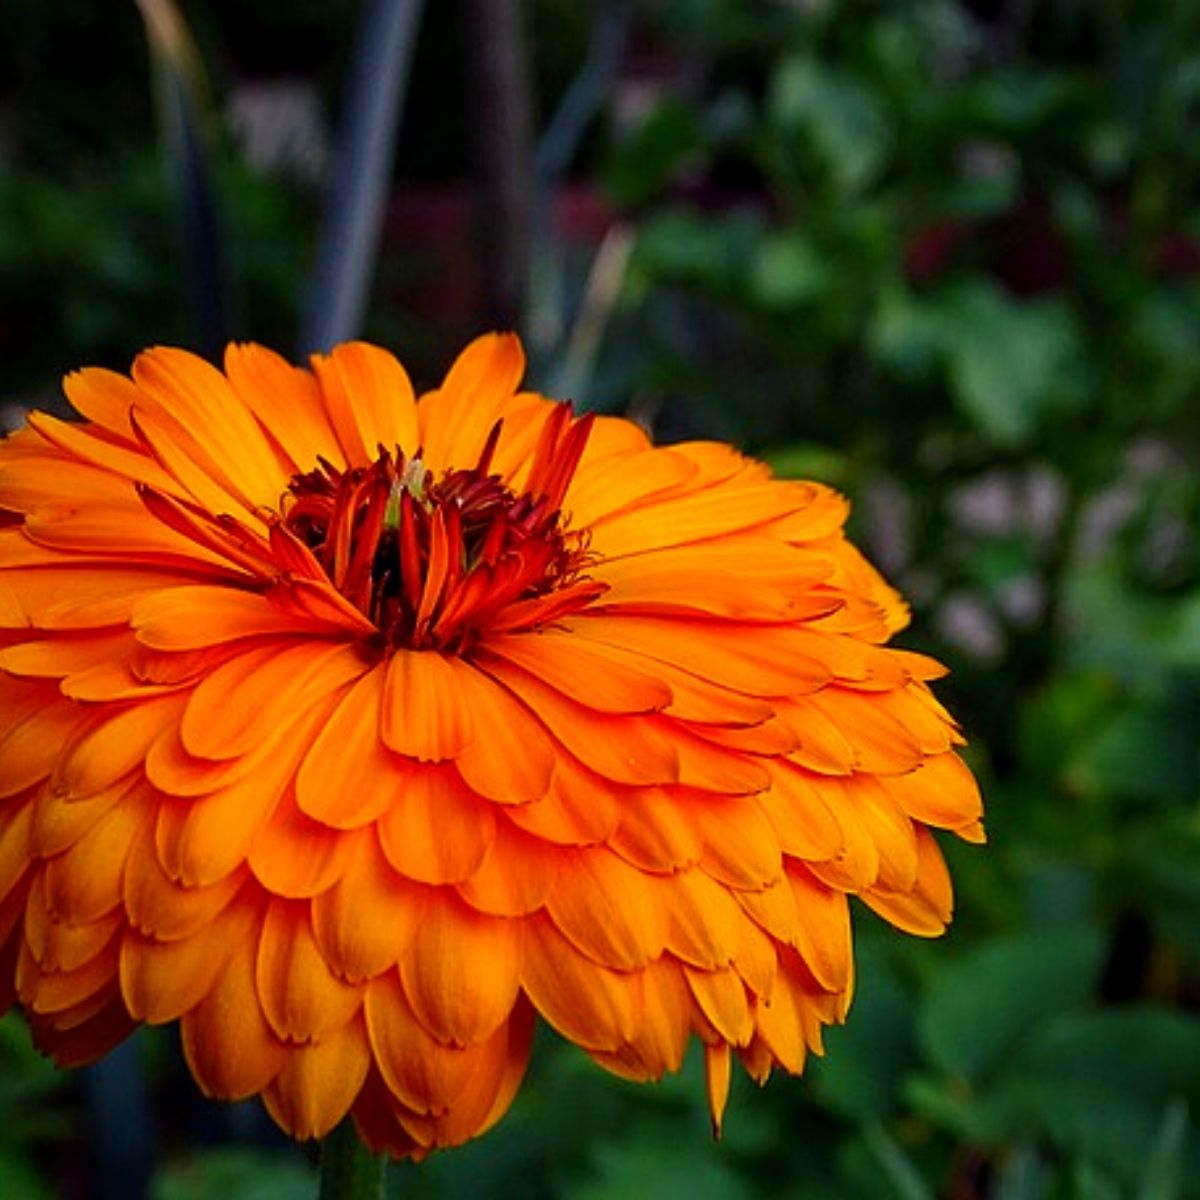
[(354, 731)]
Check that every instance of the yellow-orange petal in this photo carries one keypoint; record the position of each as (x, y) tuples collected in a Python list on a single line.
[(461, 970), (364, 922), (593, 1006), (607, 909), (231, 1015), (85, 882), (822, 928), (319, 1082), (655, 831), (302, 1000)]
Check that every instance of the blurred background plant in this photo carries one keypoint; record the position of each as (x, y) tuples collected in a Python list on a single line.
[(943, 254)]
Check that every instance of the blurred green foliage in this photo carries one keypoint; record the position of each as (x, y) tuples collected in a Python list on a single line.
[(945, 256)]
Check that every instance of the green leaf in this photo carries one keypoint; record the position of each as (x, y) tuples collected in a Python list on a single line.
[(666, 141), (787, 271), (981, 1007), (1011, 364), (836, 115)]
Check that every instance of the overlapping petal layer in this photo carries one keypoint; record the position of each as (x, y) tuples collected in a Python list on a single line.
[(354, 765)]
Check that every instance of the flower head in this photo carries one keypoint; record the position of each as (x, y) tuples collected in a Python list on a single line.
[(354, 732)]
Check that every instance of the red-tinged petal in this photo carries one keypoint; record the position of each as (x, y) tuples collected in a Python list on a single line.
[(461, 971), (607, 909), (229, 1047), (301, 998), (423, 712), (243, 703), (580, 809), (592, 1006), (456, 419), (438, 830), (822, 929), (160, 981), (287, 402), (740, 847), (702, 919), (515, 877), (655, 831), (85, 882), (511, 761), (83, 1043), (624, 749), (17, 844), (721, 996), (369, 399), (208, 416), (109, 750), (364, 922), (591, 674), (349, 778), (319, 1082), (296, 857)]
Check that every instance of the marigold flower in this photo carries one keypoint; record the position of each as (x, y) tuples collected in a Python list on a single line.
[(354, 732)]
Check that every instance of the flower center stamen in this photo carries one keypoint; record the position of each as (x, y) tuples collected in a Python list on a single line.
[(434, 561)]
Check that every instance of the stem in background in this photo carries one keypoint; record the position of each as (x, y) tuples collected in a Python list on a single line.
[(353, 220), (349, 1171), (502, 150)]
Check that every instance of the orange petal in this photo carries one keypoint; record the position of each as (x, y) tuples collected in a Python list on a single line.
[(58, 825), (287, 402), (349, 777), (580, 809), (941, 792), (438, 830), (423, 712), (241, 704), (592, 1006), (721, 996), (625, 749), (822, 929), (111, 749), (369, 399), (319, 1082), (85, 882), (160, 981), (927, 909), (588, 673), (301, 998), (364, 922), (457, 418), (800, 814), (511, 760), (740, 847), (608, 909), (297, 857), (655, 832), (716, 1083), (665, 1027), (516, 876), (29, 748), (461, 970)]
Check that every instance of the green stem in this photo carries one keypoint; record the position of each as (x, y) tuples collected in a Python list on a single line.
[(349, 1171)]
